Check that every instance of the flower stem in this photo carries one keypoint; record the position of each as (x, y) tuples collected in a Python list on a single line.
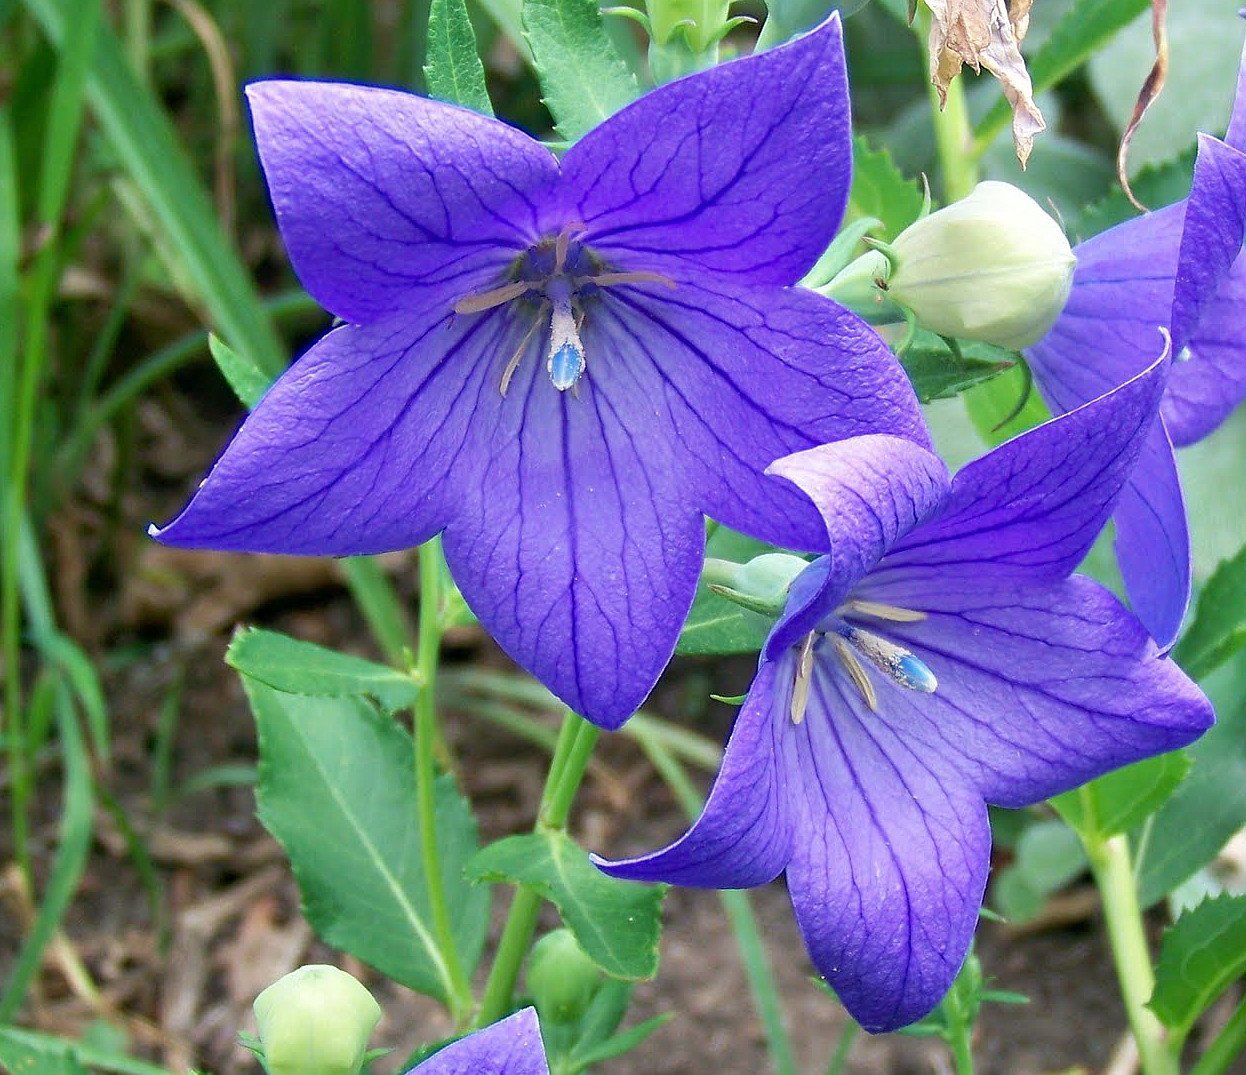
[(952, 129), (576, 740), (843, 1047), (1110, 862), (1226, 1047), (739, 912), (460, 997)]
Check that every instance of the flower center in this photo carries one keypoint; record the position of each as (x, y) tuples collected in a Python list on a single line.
[(552, 280), (856, 647)]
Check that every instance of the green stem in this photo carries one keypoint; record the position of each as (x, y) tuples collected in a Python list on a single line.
[(1227, 1046), (1111, 864), (740, 913), (847, 1037), (953, 130), (428, 650), (576, 740)]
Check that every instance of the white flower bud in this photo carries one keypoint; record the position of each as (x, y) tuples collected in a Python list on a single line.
[(315, 1021), (992, 267)]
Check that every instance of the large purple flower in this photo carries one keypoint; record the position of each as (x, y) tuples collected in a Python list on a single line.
[(942, 657), (561, 364), (510, 1047), (1179, 267)]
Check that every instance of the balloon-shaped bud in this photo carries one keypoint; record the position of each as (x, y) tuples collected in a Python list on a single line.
[(992, 267), (315, 1021), (561, 979)]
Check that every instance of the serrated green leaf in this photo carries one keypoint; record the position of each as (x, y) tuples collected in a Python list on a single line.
[(337, 791), (617, 923), (936, 372), (1202, 954), (1155, 186), (880, 189), (1087, 26), (297, 667), (1208, 808), (248, 381), (55, 1057), (1125, 798), (453, 71), (583, 77), (1219, 626)]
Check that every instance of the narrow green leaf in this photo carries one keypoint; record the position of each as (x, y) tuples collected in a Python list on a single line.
[(248, 381), (1219, 626), (937, 372), (10, 283), (296, 667), (337, 791), (880, 189), (620, 1043), (1125, 798), (73, 843), (582, 75), (1086, 27), (618, 924), (452, 70), (65, 111), (1202, 954), (63, 652), (147, 146)]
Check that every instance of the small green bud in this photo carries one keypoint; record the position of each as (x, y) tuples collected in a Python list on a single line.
[(315, 1021), (761, 584), (561, 979), (992, 267)]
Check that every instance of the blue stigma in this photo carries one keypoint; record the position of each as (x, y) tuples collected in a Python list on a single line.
[(565, 366), (913, 672)]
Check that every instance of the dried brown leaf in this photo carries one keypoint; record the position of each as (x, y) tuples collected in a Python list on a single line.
[(1146, 96), (985, 33)]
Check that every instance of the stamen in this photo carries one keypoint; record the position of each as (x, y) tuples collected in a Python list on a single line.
[(515, 359), (859, 676), (879, 611), (612, 279), (565, 360), (804, 674), (897, 663), (562, 245), (488, 300)]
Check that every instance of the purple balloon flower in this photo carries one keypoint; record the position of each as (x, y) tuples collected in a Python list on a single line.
[(942, 657), (561, 364), (512, 1046), (1181, 268)]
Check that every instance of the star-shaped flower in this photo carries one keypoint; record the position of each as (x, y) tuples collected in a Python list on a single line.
[(942, 657), (560, 364), (1181, 268), (512, 1046)]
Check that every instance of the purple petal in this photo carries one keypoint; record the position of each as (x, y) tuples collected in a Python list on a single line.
[(1236, 135), (354, 449), (741, 170), (1033, 507), (890, 869), (744, 836), (1153, 539), (1041, 686), (510, 1047), (869, 491), (381, 194), (732, 378), (1209, 324)]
